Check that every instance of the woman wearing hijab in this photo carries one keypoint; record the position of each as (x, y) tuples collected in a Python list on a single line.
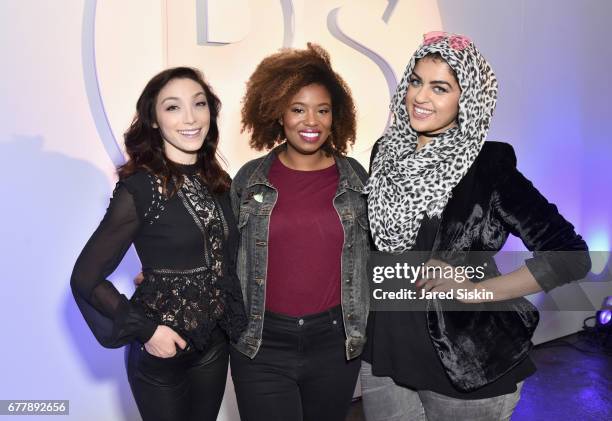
[(437, 186)]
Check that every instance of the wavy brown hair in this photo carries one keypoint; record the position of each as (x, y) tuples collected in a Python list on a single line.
[(277, 79), (145, 146)]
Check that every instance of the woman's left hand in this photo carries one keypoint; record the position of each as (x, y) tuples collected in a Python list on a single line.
[(447, 284)]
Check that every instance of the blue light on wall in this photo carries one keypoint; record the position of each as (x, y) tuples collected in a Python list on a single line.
[(599, 241)]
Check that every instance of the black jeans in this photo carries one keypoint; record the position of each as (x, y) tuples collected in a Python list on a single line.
[(300, 372), (188, 386)]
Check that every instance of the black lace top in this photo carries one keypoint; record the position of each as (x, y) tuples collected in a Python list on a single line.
[(187, 245)]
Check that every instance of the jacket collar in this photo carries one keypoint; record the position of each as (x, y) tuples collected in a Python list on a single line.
[(348, 176)]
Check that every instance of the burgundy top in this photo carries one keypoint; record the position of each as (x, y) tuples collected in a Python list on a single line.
[(305, 242)]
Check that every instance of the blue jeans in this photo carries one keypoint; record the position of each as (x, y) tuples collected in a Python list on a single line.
[(384, 400)]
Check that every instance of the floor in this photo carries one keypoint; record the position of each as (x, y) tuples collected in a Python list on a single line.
[(573, 382)]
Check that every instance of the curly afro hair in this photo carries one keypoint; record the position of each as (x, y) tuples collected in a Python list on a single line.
[(274, 83)]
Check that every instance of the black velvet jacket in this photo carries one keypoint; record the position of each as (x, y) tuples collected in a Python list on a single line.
[(493, 200)]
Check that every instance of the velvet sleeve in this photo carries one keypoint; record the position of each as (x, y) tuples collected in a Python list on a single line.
[(559, 254), (113, 320)]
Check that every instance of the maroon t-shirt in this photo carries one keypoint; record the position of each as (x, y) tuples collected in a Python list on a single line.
[(305, 242)]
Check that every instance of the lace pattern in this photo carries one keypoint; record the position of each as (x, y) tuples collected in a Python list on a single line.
[(186, 301), (206, 215), (192, 302), (158, 200)]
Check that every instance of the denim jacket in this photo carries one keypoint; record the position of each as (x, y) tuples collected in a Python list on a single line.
[(253, 198)]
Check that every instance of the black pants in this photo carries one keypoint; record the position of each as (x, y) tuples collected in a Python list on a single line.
[(188, 386), (300, 372)]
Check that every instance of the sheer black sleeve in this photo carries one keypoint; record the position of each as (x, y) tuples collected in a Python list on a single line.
[(235, 320), (113, 320), (560, 255)]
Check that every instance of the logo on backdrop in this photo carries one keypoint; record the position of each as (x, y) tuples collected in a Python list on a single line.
[(370, 42)]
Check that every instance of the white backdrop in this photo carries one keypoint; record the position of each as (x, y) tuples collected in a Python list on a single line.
[(71, 73)]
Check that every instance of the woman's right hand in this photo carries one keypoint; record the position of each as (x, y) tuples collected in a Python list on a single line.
[(163, 342)]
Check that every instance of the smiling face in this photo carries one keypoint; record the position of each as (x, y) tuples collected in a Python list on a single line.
[(183, 119), (307, 121), (432, 99)]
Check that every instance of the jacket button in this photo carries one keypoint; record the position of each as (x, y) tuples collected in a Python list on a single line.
[(350, 245), (349, 316), (301, 322), (259, 281), (348, 281)]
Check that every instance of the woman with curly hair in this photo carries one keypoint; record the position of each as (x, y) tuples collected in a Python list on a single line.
[(303, 243), (172, 202)]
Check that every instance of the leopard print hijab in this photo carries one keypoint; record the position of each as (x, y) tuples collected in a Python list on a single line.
[(404, 184)]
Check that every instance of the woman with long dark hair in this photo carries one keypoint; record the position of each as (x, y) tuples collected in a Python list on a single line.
[(303, 243), (437, 187), (172, 202)]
